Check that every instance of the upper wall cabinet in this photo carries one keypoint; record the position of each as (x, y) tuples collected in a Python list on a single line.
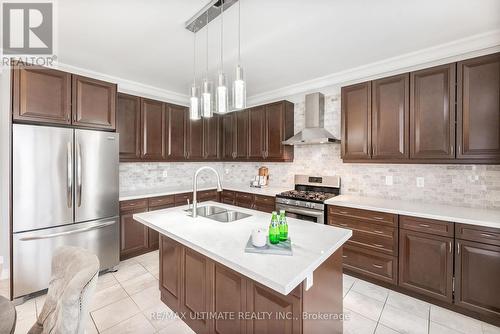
[(153, 122), (177, 132), (278, 128), (228, 132), (211, 137), (432, 113), (356, 121), (257, 125), (478, 115), (93, 103), (128, 125), (42, 95), (195, 150), (378, 124), (390, 118)]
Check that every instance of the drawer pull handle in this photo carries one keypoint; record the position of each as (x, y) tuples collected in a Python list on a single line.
[(378, 245), (378, 266), (343, 212), (378, 218), (344, 256), (343, 224), (377, 231), (423, 225), (486, 235)]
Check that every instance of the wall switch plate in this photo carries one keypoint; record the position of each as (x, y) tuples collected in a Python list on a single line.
[(389, 180), (165, 173), (420, 182)]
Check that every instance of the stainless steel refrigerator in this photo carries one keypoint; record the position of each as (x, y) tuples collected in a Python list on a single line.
[(64, 192)]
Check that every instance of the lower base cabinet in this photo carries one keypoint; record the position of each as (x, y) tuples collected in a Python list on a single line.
[(134, 237), (196, 285), (370, 263)]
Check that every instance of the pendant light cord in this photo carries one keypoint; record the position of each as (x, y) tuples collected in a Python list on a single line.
[(221, 36), (194, 59), (206, 73), (239, 31)]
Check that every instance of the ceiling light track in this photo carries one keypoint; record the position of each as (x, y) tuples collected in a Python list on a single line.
[(207, 14)]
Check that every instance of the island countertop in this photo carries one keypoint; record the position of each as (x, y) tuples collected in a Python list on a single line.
[(225, 243)]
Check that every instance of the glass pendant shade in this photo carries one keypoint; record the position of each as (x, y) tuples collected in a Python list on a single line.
[(239, 90), (222, 95), (206, 99), (194, 104)]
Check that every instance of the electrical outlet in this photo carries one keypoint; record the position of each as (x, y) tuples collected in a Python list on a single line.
[(420, 182), (226, 171), (388, 180), (165, 173)]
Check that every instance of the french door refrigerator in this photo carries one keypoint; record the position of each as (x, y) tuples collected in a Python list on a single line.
[(64, 192)]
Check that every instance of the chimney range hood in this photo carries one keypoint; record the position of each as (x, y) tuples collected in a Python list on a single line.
[(314, 131)]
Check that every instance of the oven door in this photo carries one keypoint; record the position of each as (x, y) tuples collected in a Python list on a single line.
[(315, 216)]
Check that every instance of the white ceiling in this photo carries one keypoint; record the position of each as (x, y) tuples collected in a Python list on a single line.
[(284, 42)]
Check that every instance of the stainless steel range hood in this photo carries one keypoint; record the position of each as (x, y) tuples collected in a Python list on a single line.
[(314, 132)]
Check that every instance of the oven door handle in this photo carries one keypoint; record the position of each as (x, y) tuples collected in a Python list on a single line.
[(301, 211)]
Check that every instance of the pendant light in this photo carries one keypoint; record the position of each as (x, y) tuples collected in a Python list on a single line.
[(239, 85), (206, 90), (222, 94), (194, 102)]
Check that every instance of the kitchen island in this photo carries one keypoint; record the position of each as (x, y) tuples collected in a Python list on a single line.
[(216, 287)]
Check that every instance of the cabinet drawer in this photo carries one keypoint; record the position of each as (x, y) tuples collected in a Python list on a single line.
[(207, 195), (355, 224), (373, 264), (487, 235), (265, 200), (134, 204), (436, 227), (244, 197), (181, 199), (160, 201), (374, 242), (228, 193), (380, 217)]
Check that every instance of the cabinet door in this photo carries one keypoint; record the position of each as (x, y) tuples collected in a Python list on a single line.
[(154, 236), (390, 118), (356, 121), (477, 269), (197, 289), (275, 120), (261, 299), (153, 130), (229, 296), (242, 134), (211, 137), (229, 136), (478, 115), (195, 139), (128, 125), (133, 235), (432, 113), (170, 273), (41, 95), (257, 133), (177, 132), (93, 103), (426, 264)]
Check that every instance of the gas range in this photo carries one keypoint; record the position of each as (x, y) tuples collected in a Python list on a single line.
[(306, 201)]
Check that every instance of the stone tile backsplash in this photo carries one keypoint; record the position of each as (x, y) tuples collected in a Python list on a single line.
[(460, 185)]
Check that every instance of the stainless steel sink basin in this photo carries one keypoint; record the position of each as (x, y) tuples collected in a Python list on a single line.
[(219, 214), (228, 216)]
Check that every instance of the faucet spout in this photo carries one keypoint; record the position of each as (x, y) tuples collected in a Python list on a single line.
[(194, 214)]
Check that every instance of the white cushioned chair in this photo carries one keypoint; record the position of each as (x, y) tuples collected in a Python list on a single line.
[(71, 287)]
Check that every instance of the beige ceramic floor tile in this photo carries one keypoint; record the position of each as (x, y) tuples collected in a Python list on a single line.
[(409, 304), (147, 298), (371, 290), (113, 314), (402, 321), (160, 316), (23, 326), (435, 328), (39, 302), (177, 327), (90, 327), (129, 271), (490, 329), (139, 283), (455, 320), (107, 296), (381, 329), (348, 281), (27, 310), (366, 306), (357, 324), (135, 325), (105, 281)]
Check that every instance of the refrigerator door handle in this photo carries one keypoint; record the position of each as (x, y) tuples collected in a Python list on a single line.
[(79, 173), (54, 235), (69, 166)]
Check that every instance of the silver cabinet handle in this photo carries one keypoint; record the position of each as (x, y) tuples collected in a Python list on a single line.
[(450, 246), (486, 235), (423, 225), (60, 234), (69, 170), (344, 256), (79, 173), (378, 218), (378, 266), (378, 245), (458, 248), (343, 212), (378, 232)]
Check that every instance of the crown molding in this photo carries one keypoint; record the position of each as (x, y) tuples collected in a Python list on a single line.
[(469, 47), (129, 86)]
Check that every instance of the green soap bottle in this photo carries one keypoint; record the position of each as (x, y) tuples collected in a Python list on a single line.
[(283, 227), (274, 231)]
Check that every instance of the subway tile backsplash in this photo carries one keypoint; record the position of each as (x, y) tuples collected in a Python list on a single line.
[(460, 185)]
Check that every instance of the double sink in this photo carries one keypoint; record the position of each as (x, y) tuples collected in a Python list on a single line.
[(219, 214)]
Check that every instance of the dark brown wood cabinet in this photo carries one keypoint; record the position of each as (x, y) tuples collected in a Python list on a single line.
[(278, 128), (478, 112), (356, 121), (228, 136), (195, 150), (153, 120), (390, 118), (171, 272), (257, 132), (177, 132), (41, 95), (128, 125), (426, 264), (93, 103), (134, 236), (212, 138), (432, 113), (241, 133)]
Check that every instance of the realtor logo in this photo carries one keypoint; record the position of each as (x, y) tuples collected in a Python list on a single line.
[(27, 28)]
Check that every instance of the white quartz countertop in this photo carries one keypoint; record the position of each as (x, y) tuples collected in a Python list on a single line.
[(152, 192), (225, 243), (473, 216)]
